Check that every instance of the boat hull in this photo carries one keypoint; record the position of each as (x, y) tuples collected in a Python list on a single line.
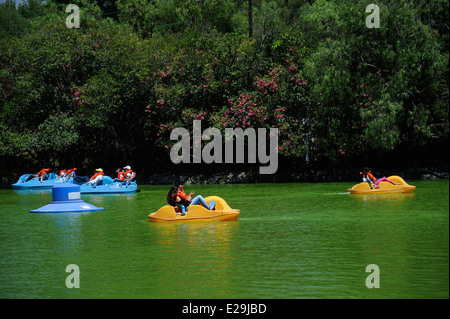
[(385, 187), (220, 216), (36, 184), (114, 188)]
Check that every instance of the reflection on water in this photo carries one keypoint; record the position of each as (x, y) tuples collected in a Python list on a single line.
[(384, 197), (33, 191), (199, 260)]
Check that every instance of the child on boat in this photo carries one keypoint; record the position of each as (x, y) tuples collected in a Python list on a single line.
[(369, 178), (366, 176)]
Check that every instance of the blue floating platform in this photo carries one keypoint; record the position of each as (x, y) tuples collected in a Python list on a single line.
[(66, 199)]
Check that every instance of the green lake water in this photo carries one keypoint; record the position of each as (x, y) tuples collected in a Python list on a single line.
[(295, 240)]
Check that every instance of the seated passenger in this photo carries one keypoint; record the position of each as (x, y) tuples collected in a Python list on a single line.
[(129, 175), (70, 173), (185, 200), (376, 182), (42, 175), (120, 175), (97, 177)]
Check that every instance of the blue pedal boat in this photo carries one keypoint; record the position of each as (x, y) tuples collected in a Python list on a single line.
[(51, 180), (107, 186)]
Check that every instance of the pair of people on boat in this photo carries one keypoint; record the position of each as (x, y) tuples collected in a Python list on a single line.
[(178, 198), (42, 175), (125, 174), (372, 180)]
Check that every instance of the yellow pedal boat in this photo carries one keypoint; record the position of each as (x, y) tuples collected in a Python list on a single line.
[(197, 213), (385, 187)]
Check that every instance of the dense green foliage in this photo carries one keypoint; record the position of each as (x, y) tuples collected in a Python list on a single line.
[(111, 91)]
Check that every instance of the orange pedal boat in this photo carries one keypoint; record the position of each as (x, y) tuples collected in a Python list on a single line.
[(385, 187), (197, 213)]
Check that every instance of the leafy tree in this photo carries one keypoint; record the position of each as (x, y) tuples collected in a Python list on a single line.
[(112, 90), (376, 88)]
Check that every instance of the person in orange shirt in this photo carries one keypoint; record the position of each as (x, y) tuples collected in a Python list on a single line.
[(71, 172), (120, 175), (43, 174), (62, 173), (185, 200), (67, 173), (367, 176), (129, 175), (97, 177)]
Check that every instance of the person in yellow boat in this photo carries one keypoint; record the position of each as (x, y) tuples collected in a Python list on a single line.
[(177, 197), (174, 200), (365, 176), (376, 182)]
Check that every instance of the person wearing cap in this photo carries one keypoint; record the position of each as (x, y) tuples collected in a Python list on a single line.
[(97, 177), (129, 174)]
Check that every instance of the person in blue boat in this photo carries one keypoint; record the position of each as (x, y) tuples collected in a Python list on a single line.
[(71, 173), (120, 175), (128, 175), (97, 177), (177, 197), (67, 173), (42, 175)]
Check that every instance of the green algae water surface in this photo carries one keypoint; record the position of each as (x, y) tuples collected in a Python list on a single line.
[(291, 241)]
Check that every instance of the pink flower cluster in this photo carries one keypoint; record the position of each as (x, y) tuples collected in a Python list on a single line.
[(189, 116), (162, 73), (78, 95), (287, 143), (164, 128), (245, 112), (279, 112), (365, 96), (297, 78), (269, 84), (159, 104)]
